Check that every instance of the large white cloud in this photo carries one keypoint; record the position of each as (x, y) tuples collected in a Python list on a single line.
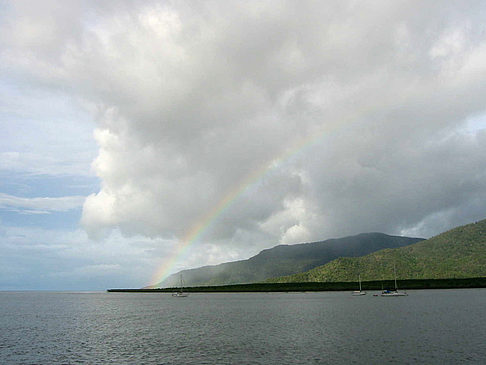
[(194, 98)]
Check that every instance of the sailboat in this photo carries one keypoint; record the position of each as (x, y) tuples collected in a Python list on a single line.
[(180, 293), (359, 292), (393, 293)]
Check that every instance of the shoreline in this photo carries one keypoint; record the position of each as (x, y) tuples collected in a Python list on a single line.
[(410, 284)]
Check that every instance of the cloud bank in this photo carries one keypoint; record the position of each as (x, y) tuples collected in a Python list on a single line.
[(359, 113)]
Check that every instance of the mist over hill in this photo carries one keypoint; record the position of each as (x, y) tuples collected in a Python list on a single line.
[(286, 260)]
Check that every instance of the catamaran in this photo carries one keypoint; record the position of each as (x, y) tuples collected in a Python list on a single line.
[(393, 293), (180, 293), (359, 292)]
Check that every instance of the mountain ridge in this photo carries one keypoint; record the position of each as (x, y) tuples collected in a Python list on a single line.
[(457, 253), (284, 260)]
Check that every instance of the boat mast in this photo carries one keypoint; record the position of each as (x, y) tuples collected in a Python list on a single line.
[(359, 278), (395, 271)]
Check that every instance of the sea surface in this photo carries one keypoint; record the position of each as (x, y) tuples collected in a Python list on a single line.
[(427, 327)]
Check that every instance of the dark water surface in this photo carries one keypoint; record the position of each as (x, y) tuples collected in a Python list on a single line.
[(427, 327)]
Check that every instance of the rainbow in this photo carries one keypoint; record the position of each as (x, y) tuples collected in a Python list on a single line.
[(203, 224)]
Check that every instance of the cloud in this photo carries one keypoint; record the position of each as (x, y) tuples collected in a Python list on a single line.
[(299, 120), (38, 258), (40, 205), (43, 132)]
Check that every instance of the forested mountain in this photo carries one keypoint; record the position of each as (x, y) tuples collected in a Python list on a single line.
[(286, 260), (458, 253)]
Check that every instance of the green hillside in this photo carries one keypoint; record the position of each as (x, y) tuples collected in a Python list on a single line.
[(458, 253), (286, 260)]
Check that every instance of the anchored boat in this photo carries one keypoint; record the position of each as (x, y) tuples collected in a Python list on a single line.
[(359, 292), (180, 293), (394, 293)]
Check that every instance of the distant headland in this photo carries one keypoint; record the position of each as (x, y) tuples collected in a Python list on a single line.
[(453, 259)]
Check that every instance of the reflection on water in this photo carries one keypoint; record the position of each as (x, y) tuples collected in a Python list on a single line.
[(447, 326)]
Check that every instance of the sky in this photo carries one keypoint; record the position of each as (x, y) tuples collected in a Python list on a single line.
[(139, 138)]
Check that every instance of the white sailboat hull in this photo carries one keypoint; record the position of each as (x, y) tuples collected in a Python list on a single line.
[(180, 295), (394, 294)]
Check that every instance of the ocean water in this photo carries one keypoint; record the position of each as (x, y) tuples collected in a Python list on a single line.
[(427, 327)]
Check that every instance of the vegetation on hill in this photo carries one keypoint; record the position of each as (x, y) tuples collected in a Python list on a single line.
[(286, 259), (458, 253)]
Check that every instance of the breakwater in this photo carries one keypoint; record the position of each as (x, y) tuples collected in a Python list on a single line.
[(323, 286)]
